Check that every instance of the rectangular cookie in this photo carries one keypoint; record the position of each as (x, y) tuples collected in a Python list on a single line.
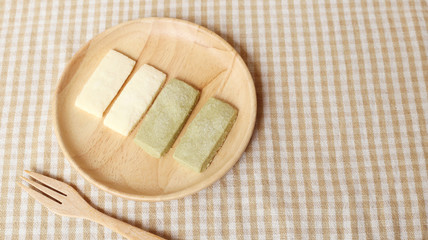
[(165, 119), (104, 83), (134, 99), (205, 134)]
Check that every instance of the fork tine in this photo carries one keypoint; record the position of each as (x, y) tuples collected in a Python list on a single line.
[(44, 189), (53, 183), (45, 201)]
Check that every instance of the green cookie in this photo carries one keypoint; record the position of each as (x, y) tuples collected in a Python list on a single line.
[(205, 134), (165, 119)]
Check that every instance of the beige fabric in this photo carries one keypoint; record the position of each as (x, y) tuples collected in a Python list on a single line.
[(340, 147)]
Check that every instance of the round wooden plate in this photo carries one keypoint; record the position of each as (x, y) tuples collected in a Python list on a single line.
[(182, 50)]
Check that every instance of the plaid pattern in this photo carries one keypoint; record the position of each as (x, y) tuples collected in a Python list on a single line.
[(340, 145)]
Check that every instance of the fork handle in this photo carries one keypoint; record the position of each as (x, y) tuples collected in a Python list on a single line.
[(120, 227)]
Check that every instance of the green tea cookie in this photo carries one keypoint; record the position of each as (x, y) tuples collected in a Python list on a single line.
[(205, 134), (165, 119)]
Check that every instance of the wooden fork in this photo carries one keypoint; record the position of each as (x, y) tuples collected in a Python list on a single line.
[(64, 200)]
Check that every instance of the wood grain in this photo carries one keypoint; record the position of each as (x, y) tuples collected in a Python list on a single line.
[(182, 50)]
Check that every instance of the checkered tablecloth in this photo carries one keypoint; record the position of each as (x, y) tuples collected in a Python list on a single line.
[(340, 146)]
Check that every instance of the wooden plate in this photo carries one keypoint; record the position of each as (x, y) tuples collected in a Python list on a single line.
[(180, 49)]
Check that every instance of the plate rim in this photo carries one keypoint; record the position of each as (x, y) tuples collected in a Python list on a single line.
[(160, 197)]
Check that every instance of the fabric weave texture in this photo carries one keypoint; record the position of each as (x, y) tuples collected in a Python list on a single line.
[(340, 145)]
